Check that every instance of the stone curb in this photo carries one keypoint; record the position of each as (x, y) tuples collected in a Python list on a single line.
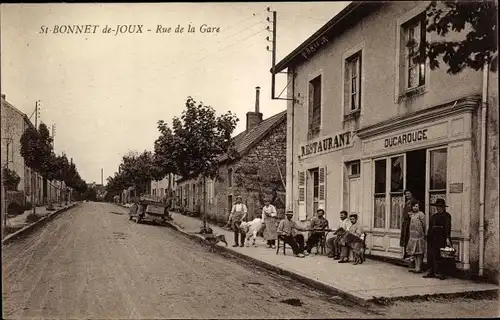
[(328, 288), (35, 225), (295, 276)]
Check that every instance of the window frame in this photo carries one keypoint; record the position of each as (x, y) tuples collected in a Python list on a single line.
[(357, 56), (347, 57), (314, 131), (416, 24), (401, 92)]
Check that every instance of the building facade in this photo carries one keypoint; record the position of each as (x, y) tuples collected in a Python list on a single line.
[(365, 123), (257, 172), (13, 123), (163, 188)]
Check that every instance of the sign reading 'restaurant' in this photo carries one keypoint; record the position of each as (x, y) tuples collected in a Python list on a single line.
[(406, 138), (336, 142)]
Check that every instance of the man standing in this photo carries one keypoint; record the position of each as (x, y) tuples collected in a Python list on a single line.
[(439, 237), (405, 222), (318, 226), (333, 244), (238, 215), (287, 230)]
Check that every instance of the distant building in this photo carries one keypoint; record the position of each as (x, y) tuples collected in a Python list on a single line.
[(14, 123), (163, 188), (255, 173)]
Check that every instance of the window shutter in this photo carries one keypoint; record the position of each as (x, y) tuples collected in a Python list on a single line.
[(322, 188), (360, 61), (311, 104), (347, 87), (302, 196)]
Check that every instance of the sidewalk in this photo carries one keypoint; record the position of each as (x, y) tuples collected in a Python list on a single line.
[(15, 223), (361, 283)]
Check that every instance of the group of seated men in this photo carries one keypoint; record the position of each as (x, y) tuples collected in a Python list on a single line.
[(288, 231)]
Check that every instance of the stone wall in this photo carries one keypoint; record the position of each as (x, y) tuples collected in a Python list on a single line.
[(255, 174), (260, 163)]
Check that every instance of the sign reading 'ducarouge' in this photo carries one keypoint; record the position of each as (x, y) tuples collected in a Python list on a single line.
[(406, 138), (323, 145)]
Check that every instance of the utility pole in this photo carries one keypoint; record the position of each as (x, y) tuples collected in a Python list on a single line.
[(33, 171), (5, 167), (4, 213)]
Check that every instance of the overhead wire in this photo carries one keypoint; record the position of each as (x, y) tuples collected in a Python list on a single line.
[(220, 50), (182, 55), (203, 67)]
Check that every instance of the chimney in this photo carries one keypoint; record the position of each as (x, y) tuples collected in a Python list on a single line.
[(254, 118)]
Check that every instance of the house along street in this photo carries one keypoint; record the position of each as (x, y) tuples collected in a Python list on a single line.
[(93, 262)]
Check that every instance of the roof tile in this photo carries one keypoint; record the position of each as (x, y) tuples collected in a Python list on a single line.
[(246, 138)]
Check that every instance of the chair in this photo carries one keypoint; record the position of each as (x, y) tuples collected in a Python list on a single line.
[(321, 245), (281, 242)]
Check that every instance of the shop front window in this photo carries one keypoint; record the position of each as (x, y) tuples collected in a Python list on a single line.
[(438, 167), (380, 194), (397, 188)]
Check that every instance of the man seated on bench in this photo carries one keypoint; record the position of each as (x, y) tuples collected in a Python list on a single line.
[(333, 244), (287, 231), (318, 225), (355, 229)]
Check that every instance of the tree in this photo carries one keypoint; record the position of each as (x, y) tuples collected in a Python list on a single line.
[(479, 46), (11, 179), (30, 148), (194, 144), (139, 169), (135, 170)]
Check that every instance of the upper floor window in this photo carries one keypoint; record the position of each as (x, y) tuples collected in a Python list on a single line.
[(354, 168), (414, 35), (315, 105), (353, 82)]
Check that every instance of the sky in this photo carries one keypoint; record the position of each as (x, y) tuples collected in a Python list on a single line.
[(105, 92)]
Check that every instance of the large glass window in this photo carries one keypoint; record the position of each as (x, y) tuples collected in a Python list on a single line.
[(380, 193), (438, 167), (397, 188)]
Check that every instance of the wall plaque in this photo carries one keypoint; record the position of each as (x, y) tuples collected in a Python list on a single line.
[(456, 187)]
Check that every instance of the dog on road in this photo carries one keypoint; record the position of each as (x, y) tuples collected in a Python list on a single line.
[(212, 240), (251, 229)]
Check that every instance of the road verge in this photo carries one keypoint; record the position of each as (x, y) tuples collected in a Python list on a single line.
[(35, 225)]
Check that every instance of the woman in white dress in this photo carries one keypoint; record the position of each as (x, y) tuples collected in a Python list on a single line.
[(269, 217)]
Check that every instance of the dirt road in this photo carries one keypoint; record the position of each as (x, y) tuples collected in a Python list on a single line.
[(92, 262)]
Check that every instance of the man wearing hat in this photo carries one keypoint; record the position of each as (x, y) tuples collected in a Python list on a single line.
[(238, 215), (439, 236), (287, 230), (318, 226)]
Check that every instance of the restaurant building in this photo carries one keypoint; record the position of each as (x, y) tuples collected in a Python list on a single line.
[(365, 123)]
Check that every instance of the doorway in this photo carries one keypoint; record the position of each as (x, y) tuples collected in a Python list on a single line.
[(416, 164), (230, 202)]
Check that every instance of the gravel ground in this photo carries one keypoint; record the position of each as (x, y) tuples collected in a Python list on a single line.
[(92, 262)]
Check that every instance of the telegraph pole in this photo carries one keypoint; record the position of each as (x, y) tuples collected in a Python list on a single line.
[(35, 176)]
